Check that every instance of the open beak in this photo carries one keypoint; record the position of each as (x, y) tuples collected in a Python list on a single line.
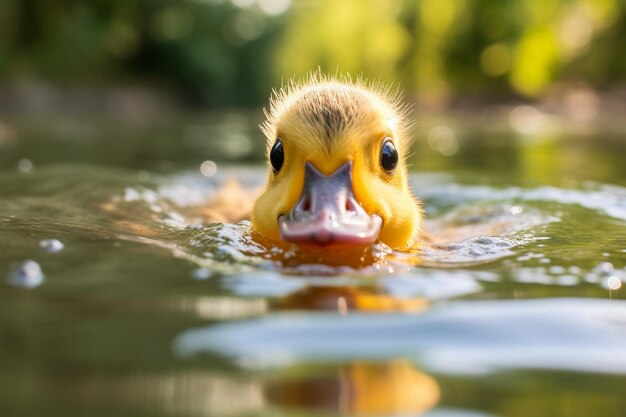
[(328, 213)]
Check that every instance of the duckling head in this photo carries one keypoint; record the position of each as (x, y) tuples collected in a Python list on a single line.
[(338, 175)]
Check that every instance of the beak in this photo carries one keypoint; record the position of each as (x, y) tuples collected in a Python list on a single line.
[(328, 213)]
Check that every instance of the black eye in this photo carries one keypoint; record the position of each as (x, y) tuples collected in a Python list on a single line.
[(277, 155), (388, 156)]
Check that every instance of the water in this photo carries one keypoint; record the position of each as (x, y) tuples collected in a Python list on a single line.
[(117, 299)]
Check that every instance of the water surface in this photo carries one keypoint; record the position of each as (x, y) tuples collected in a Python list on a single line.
[(145, 309)]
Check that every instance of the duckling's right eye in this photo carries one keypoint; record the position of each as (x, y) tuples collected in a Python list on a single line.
[(277, 155), (388, 156)]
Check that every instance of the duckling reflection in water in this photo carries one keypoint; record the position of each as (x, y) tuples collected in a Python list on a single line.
[(360, 389)]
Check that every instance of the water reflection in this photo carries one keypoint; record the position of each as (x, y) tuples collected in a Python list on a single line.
[(147, 310), (359, 389), (356, 389), (368, 365), (344, 299)]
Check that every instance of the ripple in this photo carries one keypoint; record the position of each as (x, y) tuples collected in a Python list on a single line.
[(607, 199), (510, 227), (462, 338)]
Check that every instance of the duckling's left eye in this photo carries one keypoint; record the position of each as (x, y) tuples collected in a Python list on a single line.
[(388, 156), (277, 155)]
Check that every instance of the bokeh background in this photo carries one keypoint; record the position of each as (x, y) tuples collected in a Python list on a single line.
[(229, 53), (544, 69)]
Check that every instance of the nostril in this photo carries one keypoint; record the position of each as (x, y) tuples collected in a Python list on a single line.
[(350, 205), (306, 205)]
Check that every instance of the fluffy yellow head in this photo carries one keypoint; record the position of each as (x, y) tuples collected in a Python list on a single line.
[(328, 123)]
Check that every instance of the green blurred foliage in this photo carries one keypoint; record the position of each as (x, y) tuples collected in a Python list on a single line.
[(193, 47), (446, 47), (225, 53)]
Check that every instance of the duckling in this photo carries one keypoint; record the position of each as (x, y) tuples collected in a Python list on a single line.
[(337, 156)]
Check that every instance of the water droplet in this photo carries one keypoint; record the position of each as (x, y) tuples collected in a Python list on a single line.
[(51, 245), (27, 275)]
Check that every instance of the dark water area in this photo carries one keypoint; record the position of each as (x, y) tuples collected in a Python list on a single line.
[(134, 306)]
